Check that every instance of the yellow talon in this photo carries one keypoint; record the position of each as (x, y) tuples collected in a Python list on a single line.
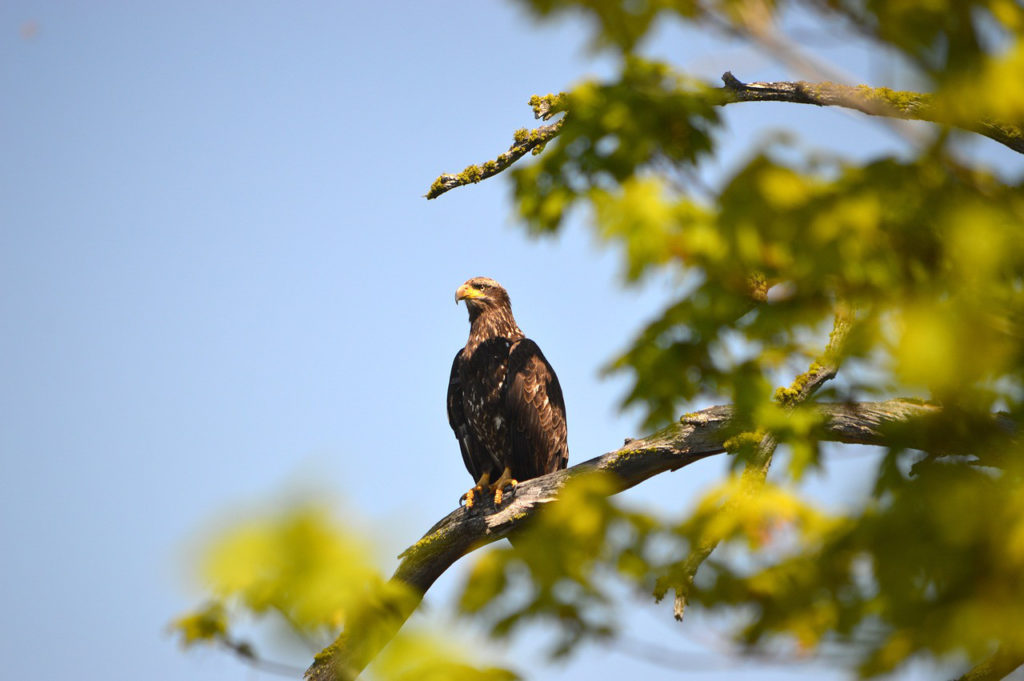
[(506, 480), (469, 498)]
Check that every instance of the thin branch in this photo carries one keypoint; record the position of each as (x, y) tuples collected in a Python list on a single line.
[(668, 658), (249, 656), (297, 629), (756, 470), (696, 436), (720, 659)]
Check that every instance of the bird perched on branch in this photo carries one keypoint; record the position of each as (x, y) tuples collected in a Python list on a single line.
[(504, 401)]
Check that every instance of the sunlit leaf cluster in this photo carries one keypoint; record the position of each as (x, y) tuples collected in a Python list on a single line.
[(652, 114), (301, 570), (560, 569), (931, 565), (557, 571), (293, 565), (928, 255)]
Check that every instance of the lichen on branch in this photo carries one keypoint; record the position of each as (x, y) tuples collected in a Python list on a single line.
[(524, 141), (873, 101)]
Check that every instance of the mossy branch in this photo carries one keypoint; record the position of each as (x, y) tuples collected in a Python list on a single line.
[(696, 436), (526, 141), (874, 101)]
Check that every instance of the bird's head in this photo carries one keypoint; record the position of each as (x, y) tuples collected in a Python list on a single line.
[(482, 294)]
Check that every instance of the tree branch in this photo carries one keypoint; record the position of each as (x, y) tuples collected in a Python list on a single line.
[(696, 436), (525, 141), (244, 651), (874, 101)]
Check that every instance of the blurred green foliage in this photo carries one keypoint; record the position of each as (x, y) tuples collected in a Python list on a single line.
[(302, 569), (923, 255), (557, 570)]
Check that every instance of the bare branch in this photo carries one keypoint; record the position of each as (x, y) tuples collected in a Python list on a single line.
[(696, 436), (245, 652)]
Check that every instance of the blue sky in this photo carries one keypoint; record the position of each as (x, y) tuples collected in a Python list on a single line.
[(220, 286)]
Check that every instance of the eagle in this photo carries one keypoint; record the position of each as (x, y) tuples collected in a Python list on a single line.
[(504, 401)]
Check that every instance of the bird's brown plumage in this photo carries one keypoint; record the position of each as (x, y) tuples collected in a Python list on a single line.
[(504, 401)]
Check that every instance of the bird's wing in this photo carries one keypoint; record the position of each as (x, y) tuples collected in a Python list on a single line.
[(536, 413), (472, 453)]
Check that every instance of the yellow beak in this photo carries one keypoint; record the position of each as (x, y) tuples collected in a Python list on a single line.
[(466, 291)]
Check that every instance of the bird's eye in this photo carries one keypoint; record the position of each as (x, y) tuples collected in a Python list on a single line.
[(481, 286)]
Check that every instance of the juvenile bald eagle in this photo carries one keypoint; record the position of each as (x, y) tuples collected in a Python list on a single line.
[(504, 401)]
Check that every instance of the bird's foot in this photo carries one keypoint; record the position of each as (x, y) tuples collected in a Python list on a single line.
[(505, 482), (470, 497), (479, 490), (499, 492)]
